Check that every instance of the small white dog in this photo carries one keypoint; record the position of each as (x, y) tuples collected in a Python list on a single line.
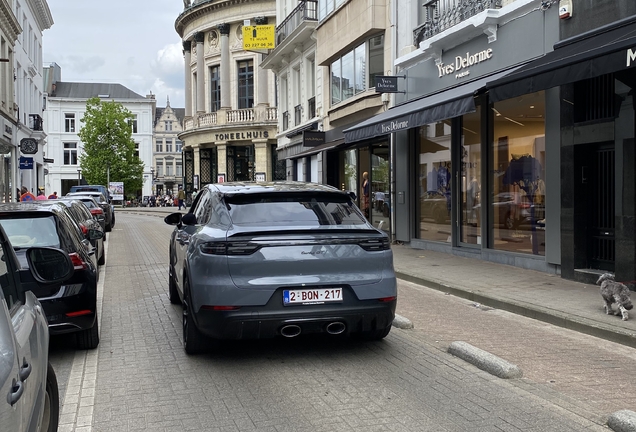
[(615, 292)]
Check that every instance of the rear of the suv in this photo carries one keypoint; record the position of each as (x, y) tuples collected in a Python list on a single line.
[(70, 307), (279, 259)]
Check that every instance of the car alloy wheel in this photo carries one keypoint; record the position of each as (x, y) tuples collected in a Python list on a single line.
[(51, 412), (193, 340)]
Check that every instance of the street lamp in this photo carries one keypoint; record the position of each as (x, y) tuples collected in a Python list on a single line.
[(79, 176), (152, 180)]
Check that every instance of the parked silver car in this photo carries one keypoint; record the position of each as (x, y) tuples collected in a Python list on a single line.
[(259, 260), (30, 399)]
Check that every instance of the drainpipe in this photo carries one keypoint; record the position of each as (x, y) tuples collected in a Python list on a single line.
[(392, 157)]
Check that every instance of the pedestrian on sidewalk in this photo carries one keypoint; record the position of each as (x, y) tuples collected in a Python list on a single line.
[(41, 196), (181, 197)]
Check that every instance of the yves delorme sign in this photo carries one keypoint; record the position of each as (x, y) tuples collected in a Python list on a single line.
[(313, 138), (386, 84)]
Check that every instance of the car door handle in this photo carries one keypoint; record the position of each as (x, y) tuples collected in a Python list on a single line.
[(25, 370), (17, 388)]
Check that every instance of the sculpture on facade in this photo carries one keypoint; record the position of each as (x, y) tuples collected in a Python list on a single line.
[(186, 4)]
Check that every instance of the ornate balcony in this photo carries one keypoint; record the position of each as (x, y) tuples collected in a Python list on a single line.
[(256, 115), (444, 14)]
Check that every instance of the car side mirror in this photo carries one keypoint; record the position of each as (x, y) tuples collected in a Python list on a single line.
[(94, 234), (189, 219), (173, 219), (49, 265), (353, 195)]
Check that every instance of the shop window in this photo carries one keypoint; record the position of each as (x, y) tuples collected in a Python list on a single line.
[(470, 185), (434, 195), (517, 197)]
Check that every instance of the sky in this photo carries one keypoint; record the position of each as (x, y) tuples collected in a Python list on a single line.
[(130, 42)]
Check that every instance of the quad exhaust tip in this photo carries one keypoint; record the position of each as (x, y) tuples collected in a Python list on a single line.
[(335, 328), (290, 331)]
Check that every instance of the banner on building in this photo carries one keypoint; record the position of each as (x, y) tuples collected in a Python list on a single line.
[(116, 190)]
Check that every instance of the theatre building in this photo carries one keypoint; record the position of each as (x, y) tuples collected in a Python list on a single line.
[(230, 123), (514, 141)]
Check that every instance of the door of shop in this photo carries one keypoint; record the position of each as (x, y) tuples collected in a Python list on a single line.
[(598, 175), (240, 163)]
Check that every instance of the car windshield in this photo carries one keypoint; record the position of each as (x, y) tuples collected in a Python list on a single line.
[(31, 231), (293, 209)]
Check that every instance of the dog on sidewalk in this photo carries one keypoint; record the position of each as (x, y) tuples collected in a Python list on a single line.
[(615, 292)]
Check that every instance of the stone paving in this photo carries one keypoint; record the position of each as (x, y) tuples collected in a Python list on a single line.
[(145, 381)]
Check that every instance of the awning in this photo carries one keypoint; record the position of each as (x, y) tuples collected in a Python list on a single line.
[(446, 104), (608, 49)]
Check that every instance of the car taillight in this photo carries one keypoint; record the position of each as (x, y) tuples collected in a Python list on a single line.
[(78, 263), (387, 299), (229, 248), (375, 244), (78, 313), (97, 211), (84, 229), (220, 308)]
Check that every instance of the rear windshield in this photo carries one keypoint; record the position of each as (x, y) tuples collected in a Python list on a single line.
[(31, 231), (293, 210)]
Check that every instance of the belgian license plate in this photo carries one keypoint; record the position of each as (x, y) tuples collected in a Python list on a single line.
[(312, 296)]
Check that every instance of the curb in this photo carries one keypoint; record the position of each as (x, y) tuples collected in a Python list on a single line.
[(571, 322), (622, 421), (485, 361)]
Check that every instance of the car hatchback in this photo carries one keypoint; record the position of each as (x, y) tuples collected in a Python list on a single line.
[(260, 260)]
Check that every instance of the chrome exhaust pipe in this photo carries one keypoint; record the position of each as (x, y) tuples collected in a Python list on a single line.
[(290, 331), (335, 328)]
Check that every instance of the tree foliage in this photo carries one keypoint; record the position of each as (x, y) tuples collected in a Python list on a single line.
[(107, 138)]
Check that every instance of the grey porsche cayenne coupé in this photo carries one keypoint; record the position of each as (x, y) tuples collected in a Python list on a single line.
[(260, 260)]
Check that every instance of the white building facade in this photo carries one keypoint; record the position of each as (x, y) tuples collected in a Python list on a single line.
[(9, 30), (65, 108), (34, 17), (167, 160)]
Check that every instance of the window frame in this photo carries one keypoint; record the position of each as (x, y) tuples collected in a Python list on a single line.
[(69, 122), (70, 151), (215, 88), (245, 83)]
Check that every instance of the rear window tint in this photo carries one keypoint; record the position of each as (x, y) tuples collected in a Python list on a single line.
[(293, 210), (31, 231)]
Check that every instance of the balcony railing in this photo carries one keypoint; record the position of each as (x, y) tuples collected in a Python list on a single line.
[(258, 114), (444, 14), (307, 10), (311, 107), (298, 111), (272, 114), (35, 122), (240, 115), (286, 120)]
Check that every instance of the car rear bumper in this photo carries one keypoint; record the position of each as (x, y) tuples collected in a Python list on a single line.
[(70, 311), (268, 321)]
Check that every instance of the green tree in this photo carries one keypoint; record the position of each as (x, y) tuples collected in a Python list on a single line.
[(107, 138)]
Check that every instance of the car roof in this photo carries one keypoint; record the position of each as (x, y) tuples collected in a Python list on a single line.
[(232, 188), (33, 206)]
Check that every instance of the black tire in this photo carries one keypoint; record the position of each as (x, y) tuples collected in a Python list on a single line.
[(89, 338), (51, 412), (194, 342), (109, 228), (375, 335), (172, 290), (102, 257)]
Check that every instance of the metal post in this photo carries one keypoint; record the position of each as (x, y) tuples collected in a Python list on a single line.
[(108, 175), (79, 177)]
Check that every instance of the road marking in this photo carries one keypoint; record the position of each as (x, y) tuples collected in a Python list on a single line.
[(76, 412)]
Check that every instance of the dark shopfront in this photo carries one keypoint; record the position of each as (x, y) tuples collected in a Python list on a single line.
[(596, 75)]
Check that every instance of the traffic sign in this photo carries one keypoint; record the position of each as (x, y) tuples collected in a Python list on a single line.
[(259, 37)]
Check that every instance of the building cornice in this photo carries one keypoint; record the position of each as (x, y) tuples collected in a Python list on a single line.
[(42, 13), (208, 8), (8, 22)]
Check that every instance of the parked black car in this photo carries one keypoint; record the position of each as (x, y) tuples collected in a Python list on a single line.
[(103, 202), (70, 307), (87, 221), (94, 208)]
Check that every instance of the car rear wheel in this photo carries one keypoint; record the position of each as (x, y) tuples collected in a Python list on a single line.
[(193, 341), (172, 290), (51, 412), (374, 335), (89, 338), (109, 228)]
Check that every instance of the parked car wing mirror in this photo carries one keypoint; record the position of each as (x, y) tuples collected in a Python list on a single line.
[(49, 265), (94, 234), (189, 219), (173, 219)]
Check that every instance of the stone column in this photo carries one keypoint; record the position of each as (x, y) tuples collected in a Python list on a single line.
[(262, 158), (261, 74), (221, 158), (197, 163), (199, 38), (187, 54), (226, 89)]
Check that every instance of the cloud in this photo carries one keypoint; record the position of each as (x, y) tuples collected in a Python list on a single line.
[(169, 59), (81, 64)]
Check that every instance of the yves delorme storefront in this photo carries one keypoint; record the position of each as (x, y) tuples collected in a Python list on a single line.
[(472, 177), (548, 149)]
